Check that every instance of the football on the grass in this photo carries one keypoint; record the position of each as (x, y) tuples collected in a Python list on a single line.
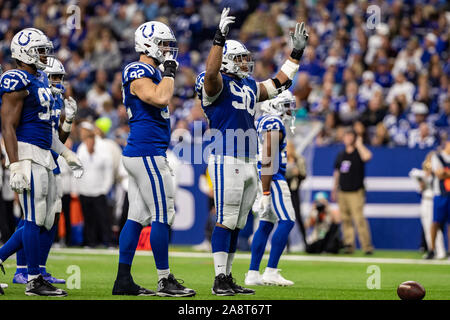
[(411, 290)]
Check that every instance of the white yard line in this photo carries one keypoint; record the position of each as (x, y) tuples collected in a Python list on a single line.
[(308, 258)]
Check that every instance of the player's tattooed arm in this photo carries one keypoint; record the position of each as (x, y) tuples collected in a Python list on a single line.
[(157, 95), (213, 80), (11, 109), (283, 80)]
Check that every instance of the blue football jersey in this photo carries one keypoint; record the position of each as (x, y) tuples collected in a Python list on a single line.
[(273, 123), (149, 125), (233, 110), (35, 126)]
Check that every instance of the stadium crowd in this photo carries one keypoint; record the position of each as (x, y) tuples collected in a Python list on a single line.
[(389, 81)]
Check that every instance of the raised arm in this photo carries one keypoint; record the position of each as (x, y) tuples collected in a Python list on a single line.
[(213, 80), (363, 151), (270, 88)]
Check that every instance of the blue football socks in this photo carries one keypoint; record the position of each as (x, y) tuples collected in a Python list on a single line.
[(259, 244), (279, 241)]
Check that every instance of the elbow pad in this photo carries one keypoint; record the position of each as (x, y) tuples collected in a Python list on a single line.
[(274, 87)]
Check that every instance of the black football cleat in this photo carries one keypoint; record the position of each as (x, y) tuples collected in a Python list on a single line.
[(41, 287), (237, 288), (170, 287), (429, 255), (222, 286), (2, 268), (127, 287), (1, 291)]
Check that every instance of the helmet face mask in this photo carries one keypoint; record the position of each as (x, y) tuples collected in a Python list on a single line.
[(55, 73), (42, 54)]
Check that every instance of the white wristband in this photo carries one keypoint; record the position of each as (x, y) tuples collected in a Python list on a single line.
[(270, 88), (290, 68), (66, 126)]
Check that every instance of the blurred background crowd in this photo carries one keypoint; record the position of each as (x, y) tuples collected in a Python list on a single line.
[(389, 81)]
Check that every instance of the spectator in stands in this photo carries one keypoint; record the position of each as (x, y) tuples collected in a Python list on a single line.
[(397, 124), (421, 137), (380, 137), (402, 89), (382, 74), (98, 94), (440, 166), (369, 87), (349, 191), (443, 120), (375, 112), (350, 107)]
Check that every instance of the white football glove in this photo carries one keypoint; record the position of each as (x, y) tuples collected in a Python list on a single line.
[(264, 205), (74, 163), (70, 108), (19, 179), (225, 21), (299, 37)]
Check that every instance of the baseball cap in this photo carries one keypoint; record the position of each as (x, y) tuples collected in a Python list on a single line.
[(368, 75), (419, 108)]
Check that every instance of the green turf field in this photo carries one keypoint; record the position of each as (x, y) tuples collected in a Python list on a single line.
[(316, 277)]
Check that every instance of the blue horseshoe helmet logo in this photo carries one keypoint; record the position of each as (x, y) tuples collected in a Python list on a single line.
[(25, 42), (151, 31)]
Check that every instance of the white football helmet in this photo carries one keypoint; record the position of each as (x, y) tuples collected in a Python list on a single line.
[(55, 75), (283, 105), (155, 40), (29, 45), (237, 59)]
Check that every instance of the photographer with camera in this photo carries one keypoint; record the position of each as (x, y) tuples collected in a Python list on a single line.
[(325, 236)]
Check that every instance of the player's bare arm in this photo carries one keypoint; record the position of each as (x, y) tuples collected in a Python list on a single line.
[(271, 141), (12, 104), (213, 80), (270, 88), (156, 95)]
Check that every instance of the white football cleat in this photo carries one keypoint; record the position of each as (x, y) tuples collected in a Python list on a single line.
[(3, 285), (253, 278), (274, 278)]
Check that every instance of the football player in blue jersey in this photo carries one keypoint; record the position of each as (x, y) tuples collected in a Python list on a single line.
[(229, 95), (275, 203), (55, 75), (26, 108), (146, 94)]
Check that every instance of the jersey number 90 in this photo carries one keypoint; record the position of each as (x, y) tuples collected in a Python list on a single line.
[(247, 96)]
